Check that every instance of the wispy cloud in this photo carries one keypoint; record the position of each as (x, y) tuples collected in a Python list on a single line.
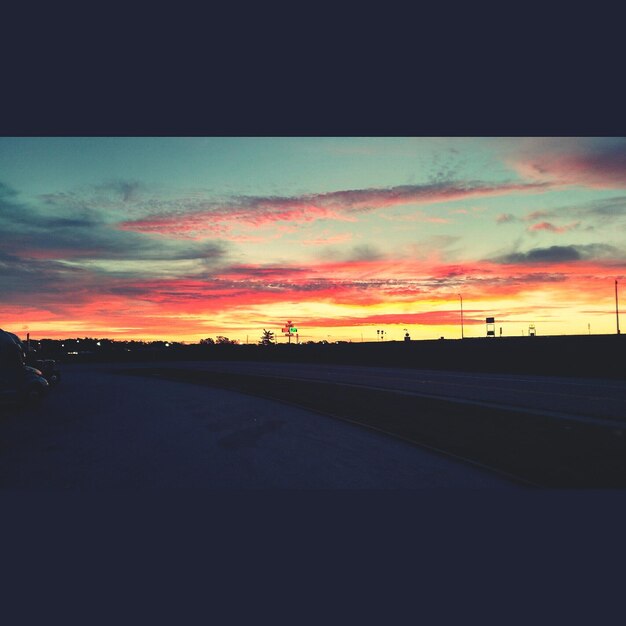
[(50, 258), (127, 190), (590, 164), (427, 318), (327, 238), (505, 218), (550, 227), (200, 217), (29, 232), (416, 216)]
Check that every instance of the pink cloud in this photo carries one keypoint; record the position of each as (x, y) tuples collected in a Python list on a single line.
[(601, 167), (140, 307), (427, 318), (208, 218), (548, 226)]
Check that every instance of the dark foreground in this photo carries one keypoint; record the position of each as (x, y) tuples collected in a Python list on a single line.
[(533, 446), (101, 430), (234, 424)]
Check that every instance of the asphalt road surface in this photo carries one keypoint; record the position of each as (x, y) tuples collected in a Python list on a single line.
[(583, 399), (99, 430)]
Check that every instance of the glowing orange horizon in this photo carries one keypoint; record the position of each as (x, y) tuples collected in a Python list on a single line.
[(242, 234)]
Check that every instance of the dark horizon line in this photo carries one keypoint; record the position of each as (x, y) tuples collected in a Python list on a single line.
[(237, 342)]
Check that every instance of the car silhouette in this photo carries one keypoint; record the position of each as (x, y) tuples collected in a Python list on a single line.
[(49, 370), (18, 382), (21, 383)]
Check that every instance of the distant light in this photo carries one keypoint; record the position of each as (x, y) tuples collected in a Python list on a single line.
[(167, 345), (98, 344)]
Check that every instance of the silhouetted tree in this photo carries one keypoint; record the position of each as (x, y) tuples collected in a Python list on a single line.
[(207, 342), (222, 341), (267, 339)]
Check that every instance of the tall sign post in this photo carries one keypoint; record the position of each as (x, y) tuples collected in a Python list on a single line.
[(289, 329), (491, 326)]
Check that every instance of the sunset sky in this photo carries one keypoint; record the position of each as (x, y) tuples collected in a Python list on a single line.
[(186, 238)]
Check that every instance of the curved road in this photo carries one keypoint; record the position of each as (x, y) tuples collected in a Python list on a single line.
[(99, 430)]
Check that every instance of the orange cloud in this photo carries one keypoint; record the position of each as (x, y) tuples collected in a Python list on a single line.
[(183, 307)]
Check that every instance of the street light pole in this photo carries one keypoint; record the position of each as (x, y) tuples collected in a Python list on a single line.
[(616, 308), (460, 296)]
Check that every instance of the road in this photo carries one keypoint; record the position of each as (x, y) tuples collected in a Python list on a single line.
[(581, 399), (99, 430)]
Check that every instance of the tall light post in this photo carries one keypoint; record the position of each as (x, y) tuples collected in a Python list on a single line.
[(616, 308), (460, 296)]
